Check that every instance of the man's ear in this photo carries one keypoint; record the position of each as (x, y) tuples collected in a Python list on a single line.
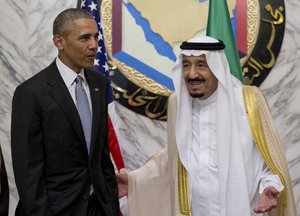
[(58, 42)]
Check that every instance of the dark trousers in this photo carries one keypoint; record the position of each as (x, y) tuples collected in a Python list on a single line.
[(94, 207)]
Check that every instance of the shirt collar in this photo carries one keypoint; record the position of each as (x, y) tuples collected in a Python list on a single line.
[(68, 74)]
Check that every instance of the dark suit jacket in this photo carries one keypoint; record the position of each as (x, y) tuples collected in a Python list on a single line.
[(52, 168)]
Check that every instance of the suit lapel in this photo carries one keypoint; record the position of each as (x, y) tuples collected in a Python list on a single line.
[(61, 95), (97, 99)]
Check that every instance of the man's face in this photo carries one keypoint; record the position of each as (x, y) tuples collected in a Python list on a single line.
[(78, 48), (199, 79)]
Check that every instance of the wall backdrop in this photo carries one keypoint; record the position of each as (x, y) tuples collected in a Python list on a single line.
[(26, 47)]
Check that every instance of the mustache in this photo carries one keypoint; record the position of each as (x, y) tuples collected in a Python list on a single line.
[(196, 79)]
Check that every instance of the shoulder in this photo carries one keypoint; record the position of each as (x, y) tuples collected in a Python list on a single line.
[(252, 91), (172, 98), (38, 81), (172, 108), (96, 76), (172, 103)]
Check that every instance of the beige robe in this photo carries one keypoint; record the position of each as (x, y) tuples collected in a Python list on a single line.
[(160, 187)]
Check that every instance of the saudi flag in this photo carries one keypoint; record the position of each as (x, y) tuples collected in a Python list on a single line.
[(219, 26)]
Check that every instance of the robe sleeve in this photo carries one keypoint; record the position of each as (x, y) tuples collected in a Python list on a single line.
[(269, 145), (149, 187)]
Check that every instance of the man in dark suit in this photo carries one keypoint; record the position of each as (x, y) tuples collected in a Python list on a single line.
[(61, 160)]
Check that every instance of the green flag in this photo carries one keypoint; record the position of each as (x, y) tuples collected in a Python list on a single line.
[(219, 26)]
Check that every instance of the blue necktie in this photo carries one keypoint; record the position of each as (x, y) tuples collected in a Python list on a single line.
[(83, 110)]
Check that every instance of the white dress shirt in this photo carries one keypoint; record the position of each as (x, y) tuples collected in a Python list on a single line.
[(69, 77)]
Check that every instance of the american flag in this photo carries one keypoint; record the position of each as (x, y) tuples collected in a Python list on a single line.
[(101, 66)]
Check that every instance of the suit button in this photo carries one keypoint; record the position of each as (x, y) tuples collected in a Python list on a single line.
[(86, 196)]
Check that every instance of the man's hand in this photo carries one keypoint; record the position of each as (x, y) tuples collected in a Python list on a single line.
[(267, 201), (122, 180)]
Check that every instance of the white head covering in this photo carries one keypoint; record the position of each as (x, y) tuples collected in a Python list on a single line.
[(234, 195)]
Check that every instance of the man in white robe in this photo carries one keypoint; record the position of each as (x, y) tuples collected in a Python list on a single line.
[(220, 160)]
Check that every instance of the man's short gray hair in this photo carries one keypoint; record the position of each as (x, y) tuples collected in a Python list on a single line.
[(63, 22)]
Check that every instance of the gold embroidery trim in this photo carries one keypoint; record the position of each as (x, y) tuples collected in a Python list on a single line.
[(257, 131), (183, 190)]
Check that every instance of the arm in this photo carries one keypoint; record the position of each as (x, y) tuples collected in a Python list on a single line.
[(268, 200), (270, 146), (110, 179), (27, 152), (122, 179), (108, 168), (269, 190), (268, 179)]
